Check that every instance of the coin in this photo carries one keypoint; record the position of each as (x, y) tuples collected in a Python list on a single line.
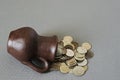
[(67, 39), (64, 51), (78, 70), (63, 64), (85, 67), (64, 69), (70, 57), (83, 63), (69, 46), (87, 45), (62, 58), (57, 57), (79, 54), (70, 53), (55, 66), (75, 44), (82, 50), (79, 58), (71, 71), (71, 62), (60, 43), (60, 51)]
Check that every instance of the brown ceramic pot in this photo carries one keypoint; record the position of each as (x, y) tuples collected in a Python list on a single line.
[(31, 49)]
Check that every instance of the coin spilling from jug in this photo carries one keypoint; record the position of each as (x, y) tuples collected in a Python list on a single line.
[(42, 53), (71, 57)]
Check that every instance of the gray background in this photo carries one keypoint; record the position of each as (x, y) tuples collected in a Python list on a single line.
[(96, 21)]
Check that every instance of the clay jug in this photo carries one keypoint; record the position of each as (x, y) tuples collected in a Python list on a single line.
[(31, 49)]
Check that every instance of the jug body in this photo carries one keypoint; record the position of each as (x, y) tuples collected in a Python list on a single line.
[(31, 49)]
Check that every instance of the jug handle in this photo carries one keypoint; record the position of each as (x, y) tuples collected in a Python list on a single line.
[(34, 67)]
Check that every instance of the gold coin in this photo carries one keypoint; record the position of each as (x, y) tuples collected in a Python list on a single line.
[(60, 50), (75, 44), (85, 67), (82, 50), (83, 63), (79, 58), (64, 51), (57, 56), (69, 53), (66, 43), (63, 64), (71, 62), (87, 46), (64, 69), (78, 70), (70, 71), (63, 58), (55, 66), (79, 55), (60, 43), (67, 39), (69, 46)]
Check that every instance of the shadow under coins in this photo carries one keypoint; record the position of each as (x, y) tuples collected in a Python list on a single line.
[(89, 54)]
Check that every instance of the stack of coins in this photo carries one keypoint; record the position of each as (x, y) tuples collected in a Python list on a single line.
[(71, 57)]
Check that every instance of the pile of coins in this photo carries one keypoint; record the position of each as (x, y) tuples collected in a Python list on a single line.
[(71, 57)]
